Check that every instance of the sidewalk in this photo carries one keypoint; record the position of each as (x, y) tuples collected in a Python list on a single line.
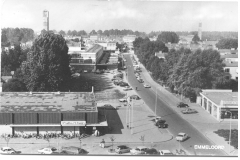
[(202, 121)]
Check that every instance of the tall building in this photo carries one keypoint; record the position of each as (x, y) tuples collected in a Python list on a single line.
[(46, 20), (200, 31)]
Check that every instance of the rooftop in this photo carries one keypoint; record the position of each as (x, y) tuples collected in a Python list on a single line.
[(47, 101), (94, 48), (229, 56), (216, 96), (232, 64)]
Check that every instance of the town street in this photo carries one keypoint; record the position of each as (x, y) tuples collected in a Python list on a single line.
[(175, 122)]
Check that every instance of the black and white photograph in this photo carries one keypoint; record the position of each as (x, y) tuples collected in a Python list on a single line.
[(119, 78)]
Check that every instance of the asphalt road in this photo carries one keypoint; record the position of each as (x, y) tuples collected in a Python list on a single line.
[(176, 124)]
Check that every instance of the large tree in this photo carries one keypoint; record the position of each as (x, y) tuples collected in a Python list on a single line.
[(14, 85), (62, 33), (167, 37), (195, 38), (47, 65)]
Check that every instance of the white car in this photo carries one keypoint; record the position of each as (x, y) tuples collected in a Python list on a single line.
[(165, 152), (181, 137), (8, 150), (122, 100), (138, 150), (147, 86), (157, 119), (47, 150)]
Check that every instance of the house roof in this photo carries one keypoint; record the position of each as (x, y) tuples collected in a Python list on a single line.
[(46, 101), (95, 48), (231, 64), (227, 51), (217, 97)]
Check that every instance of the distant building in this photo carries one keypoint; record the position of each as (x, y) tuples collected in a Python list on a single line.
[(231, 68), (109, 46), (200, 31), (94, 37), (46, 20), (160, 55), (227, 51), (217, 102), (129, 38)]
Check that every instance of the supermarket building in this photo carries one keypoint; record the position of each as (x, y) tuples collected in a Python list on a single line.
[(57, 112)]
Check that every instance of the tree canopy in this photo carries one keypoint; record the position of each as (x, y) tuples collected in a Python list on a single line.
[(14, 85), (47, 64), (195, 38), (166, 37), (227, 43)]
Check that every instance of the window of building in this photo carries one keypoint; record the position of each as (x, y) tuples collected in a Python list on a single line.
[(227, 115), (226, 70)]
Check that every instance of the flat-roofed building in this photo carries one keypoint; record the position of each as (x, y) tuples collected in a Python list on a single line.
[(231, 65), (217, 102), (41, 112), (129, 38)]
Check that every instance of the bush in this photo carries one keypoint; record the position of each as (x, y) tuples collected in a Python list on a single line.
[(225, 134)]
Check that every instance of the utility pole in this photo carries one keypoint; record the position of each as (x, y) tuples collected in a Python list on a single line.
[(132, 119), (156, 104)]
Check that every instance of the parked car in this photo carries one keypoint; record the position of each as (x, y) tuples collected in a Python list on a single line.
[(182, 105), (8, 150), (47, 150), (157, 119), (161, 123), (123, 100), (138, 150), (135, 97), (165, 153), (76, 75), (117, 82), (85, 71), (127, 88), (73, 150), (181, 137), (116, 78), (122, 149), (123, 84), (189, 111), (147, 86), (151, 151)]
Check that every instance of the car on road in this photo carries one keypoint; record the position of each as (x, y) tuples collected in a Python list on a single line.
[(147, 86), (123, 100), (8, 150), (138, 150), (135, 97), (182, 105), (161, 123), (76, 75), (47, 150), (151, 151), (181, 137), (189, 111), (165, 153), (157, 119), (122, 149), (127, 88)]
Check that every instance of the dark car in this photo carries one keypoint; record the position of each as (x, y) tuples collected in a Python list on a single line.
[(182, 105), (122, 149), (123, 84), (135, 97), (161, 123), (151, 151)]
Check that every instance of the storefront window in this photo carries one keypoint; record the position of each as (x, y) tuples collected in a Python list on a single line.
[(227, 115), (215, 111)]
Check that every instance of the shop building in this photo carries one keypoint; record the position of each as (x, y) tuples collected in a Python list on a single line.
[(218, 102), (57, 112)]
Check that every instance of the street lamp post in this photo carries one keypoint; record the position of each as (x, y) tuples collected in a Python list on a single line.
[(132, 119), (230, 130)]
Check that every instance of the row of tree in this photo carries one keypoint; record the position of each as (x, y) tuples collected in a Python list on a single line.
[(183, 70), (104, 33), (227, 43), (16, 36)]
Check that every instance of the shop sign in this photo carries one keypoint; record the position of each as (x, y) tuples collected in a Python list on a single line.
[(73, 123)]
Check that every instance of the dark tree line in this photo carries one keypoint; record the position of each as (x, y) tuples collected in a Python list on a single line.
[(227, 44), (184, 71), (16, 36), (167, 37)]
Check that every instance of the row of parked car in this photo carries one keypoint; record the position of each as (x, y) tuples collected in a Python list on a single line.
[(48, 150)]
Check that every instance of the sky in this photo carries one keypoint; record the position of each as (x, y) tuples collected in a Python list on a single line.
[(143, 16)]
